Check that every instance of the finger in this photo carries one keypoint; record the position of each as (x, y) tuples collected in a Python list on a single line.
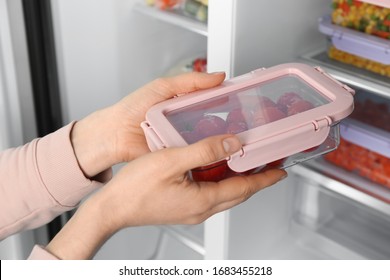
[(235, 190), (206, 151), (165, 88)]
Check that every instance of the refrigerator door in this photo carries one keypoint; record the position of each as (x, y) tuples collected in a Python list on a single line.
[(105, 50), (16, 112)]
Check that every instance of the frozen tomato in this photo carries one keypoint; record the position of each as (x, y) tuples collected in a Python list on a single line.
[(210, 125), (213, 172), (239, 116), (299, 106), (276, 164), (287, 99), (199, 65), (311, 149), (232, 173), (266, 115), (236, 127)]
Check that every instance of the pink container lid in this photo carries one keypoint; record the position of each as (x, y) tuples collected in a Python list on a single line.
[(276, 112), (380, 3)]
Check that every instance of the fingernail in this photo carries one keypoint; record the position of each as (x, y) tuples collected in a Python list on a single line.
[(217, 73), (231, 145), (283, 177)]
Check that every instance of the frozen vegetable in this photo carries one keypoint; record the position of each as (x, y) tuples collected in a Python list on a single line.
[(197, 9), (358, 61), (362, 16), (167, 4), (362, 161)]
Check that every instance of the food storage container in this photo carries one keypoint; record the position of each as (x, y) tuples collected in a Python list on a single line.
[(356, 48), (283, 115), (371, 17), (167, 4), (197, 9), (365, 139)]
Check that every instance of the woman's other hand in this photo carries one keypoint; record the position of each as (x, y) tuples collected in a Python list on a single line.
[(114, 135)]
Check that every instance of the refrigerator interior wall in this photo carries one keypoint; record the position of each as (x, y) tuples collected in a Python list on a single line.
[(358, 227), (321, 224), (273, 32), (106, 50), (264, 35)]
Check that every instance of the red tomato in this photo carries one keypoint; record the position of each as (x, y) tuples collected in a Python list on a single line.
[(240, 115), (266, 115), (236, 127), (213, 172), (276, 164), (311, 149), (299, 106), (199, 65), (210, 125), (287, 99)]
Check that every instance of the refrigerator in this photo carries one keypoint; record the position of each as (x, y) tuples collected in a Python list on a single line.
[(106, 49)]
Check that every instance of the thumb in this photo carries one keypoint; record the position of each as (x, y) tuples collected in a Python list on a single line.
[(209, 150)]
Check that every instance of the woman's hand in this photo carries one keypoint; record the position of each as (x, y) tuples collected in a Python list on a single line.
[(155, 189), (114, 135)]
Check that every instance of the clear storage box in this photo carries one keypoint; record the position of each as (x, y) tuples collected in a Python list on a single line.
[(197, 9), (371, 17), (356, 48), (365, 139), (283, 115)]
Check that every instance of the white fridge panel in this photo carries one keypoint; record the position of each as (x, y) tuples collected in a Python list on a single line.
[(17, 247), (11, 120), (300, 219), (106, 50), (131, 244), (274, 32), (15, 106)]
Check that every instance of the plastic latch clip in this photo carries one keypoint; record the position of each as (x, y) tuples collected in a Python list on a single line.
[(344, 86), (153, 140)]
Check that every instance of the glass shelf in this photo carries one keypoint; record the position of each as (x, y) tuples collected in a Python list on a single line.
[(348, 74), (347, 184), (174, 17), (180, 242)]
